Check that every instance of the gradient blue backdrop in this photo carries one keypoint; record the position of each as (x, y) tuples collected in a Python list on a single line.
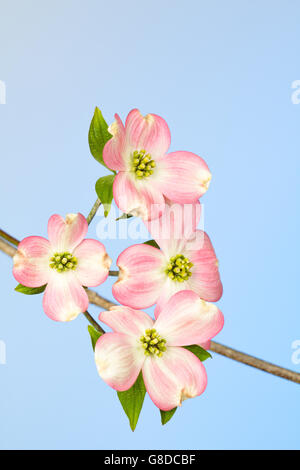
[(220, 73)]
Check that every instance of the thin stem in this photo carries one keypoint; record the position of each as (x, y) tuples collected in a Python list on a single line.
[(9, 238), (255, 362), (93, 322), (114, 273), (93, 211), (96, 299), (124, 216), (238, 356)]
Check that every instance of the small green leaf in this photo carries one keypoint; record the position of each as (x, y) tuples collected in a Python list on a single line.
[(152, 243), (104, 190), (94, 334), (30, 290), (132, 401), (98, 136), (199, 352), (166, 415)]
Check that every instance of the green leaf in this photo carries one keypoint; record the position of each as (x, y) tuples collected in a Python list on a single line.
[(98, 136), (94, 334), (152, 243), (132, 401), (104, 190), (199, 352), (30, 290), (166, 415)]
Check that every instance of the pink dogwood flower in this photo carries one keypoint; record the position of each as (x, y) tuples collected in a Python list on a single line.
[(186, 260), (65, 263), (171, 373), (146, 173)]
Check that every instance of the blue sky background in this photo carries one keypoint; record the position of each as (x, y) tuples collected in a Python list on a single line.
[(220, 73)]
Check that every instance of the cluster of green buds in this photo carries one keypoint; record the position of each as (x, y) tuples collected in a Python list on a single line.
[(63, 262), (152, 343), (178, 268), (143, 164)]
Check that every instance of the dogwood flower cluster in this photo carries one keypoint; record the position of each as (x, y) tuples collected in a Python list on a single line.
[(179, 274)]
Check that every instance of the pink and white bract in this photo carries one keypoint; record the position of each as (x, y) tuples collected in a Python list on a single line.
[(186, 260), (65, 263), (146, 173), (171, 373)]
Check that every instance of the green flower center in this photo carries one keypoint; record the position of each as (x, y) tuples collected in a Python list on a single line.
[(142, 164), (63, 262), (179, 268), (152, 343)]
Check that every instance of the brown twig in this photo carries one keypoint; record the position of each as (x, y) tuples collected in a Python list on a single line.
[(9, 238), (255, 362), (7, 248), (96, 299), (114, 273), (218, 348)]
